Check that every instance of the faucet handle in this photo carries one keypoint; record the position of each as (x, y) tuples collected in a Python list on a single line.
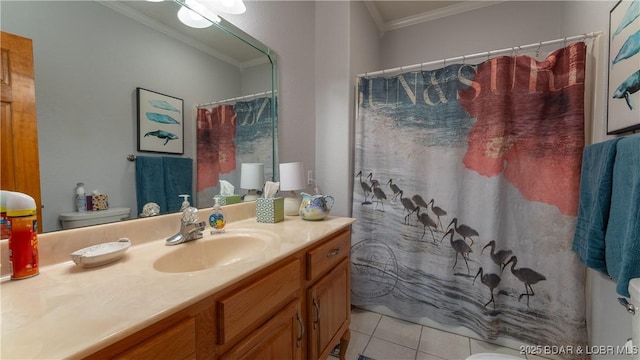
[(190, 215)]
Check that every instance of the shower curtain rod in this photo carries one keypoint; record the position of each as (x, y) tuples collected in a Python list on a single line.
[(482, 54), (245, 97)]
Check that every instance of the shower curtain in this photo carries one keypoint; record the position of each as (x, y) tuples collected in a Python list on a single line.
[(466, 197), (228, 135)]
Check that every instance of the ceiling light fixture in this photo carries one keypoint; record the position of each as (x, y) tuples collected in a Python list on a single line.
[(226, 6), (193, 19)]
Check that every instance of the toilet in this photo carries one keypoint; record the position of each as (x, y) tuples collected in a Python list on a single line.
[(634, 291), (74, 220)]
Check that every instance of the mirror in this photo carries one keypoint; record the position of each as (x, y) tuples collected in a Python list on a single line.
[(89, 58)]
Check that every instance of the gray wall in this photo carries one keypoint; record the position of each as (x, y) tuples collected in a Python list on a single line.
[(88, 61)]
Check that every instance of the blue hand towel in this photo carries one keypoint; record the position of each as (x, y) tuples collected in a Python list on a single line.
[(178, 180), (595, 200), (623, 230), (150, 182)]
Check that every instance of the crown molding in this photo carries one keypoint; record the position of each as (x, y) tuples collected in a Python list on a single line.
[(450, 10), (375, 15)]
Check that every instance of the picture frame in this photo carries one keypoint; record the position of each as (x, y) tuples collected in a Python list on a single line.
[(623, 97), (160, 122)]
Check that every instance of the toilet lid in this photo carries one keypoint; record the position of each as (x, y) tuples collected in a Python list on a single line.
[(493, 356)]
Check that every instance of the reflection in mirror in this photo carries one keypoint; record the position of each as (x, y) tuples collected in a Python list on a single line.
[(89, 58)]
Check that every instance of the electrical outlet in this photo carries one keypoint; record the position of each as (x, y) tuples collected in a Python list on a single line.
[(309, 177)]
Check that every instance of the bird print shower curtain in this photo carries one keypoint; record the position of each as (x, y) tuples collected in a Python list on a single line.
[(466, 196)]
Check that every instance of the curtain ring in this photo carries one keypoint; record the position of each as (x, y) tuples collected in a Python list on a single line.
[(444, 62), (538, 49), (463, 59)]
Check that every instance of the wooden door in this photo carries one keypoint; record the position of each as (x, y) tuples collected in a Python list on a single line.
[(278, 339), (329, 310), (20, 169)]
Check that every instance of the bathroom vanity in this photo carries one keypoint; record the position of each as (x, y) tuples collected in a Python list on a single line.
[(288, 299)]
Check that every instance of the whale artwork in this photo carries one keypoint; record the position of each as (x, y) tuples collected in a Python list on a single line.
[(161, 134), (162, 104), (629, 86), (630, 47), (633, 12), (161, 118)]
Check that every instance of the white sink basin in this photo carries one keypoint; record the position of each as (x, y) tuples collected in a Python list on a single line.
[(212, 252)]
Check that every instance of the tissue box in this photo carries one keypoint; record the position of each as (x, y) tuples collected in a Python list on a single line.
[(97, 202), (228, 200), (270, 210)]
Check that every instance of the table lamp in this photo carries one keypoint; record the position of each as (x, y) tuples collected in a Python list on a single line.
[(252, 179), (291, 179)]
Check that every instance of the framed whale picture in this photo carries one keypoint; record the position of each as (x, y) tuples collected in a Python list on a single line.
[(623, 94), (160, 122)]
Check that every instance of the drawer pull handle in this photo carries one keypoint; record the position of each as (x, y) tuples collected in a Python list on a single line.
[(299, 340), (317, 312), (334, 252)]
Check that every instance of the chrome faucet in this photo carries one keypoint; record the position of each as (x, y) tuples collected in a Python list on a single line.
[(190, 228)]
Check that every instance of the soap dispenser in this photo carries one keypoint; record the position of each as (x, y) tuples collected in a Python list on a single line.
[(185, 202), (216, 219)]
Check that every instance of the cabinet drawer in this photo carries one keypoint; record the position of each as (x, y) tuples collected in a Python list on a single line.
[(250, 306), (328, 255)]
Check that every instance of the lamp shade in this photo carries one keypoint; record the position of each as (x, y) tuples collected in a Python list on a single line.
[(291, 176), (252, 175)]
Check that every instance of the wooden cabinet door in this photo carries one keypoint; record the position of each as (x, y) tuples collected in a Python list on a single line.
[(19, 128), (328, 309), (280, 338)]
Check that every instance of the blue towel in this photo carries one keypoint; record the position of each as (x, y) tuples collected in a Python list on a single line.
[(150, 182), (595, 200), (623, 230), (161, 180), (178, 180)]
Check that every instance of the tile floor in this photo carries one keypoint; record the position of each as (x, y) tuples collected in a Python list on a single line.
[(381, 337)]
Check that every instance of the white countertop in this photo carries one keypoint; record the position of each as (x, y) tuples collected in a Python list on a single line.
[(70, 312)]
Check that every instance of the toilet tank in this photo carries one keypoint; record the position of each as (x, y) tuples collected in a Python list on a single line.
[(80, 219), (634, 291)]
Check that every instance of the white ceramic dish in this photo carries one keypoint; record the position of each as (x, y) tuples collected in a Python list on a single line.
[(101, 254)]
